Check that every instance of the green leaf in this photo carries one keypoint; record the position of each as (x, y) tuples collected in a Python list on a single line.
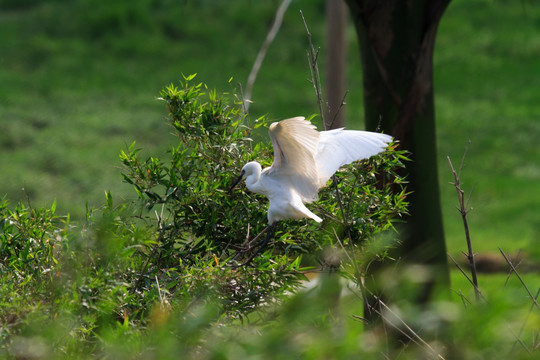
[(53, 207)]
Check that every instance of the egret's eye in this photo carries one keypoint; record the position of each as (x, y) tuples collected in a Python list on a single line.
[(243, 172)]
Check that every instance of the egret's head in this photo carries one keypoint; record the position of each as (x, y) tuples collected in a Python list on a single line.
[(250, 168)]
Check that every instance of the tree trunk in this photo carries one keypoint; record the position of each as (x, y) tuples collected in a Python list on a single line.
[(335, 63), (396, 41)]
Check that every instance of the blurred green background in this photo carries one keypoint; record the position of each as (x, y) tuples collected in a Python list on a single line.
[(79, 82)]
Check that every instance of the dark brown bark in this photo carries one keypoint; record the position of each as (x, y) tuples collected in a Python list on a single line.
[(397, 40), (336, 12)]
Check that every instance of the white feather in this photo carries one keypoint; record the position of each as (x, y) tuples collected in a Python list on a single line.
[(295, 143), (340, 147), (304, 160)]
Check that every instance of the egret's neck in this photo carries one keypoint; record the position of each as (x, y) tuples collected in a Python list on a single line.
[(252, 180)]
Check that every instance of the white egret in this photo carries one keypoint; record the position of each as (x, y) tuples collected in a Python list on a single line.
[(304, 160)]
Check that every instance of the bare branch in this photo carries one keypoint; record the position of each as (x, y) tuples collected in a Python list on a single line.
[(477, 290), (518, 340), (316, 81), (338, 112), (264, 48), (464, 299), (533, 298), (463, 209), (245, 108), (406, 331), (412, 334), (463, 158), (525, 322), (516, 258), (314, 68)]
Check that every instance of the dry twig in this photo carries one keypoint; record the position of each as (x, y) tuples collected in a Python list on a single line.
[(264, 48), (476, 289), (312, 57), (533, 298), (463, 210), (534, 303), (409, 333)]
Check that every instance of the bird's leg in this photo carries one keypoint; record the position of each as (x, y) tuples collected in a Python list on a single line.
[(248, 243), (246, 246), (270, 234)]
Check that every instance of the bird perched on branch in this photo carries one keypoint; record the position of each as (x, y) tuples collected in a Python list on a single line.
[(304, 160)]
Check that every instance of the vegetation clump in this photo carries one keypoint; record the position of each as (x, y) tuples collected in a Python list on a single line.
[(134, 267)]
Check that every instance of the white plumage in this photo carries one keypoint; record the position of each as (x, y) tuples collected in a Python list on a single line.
[(304, 160)]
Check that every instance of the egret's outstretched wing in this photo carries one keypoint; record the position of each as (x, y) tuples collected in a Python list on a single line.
[(340, 147), (295, 143)]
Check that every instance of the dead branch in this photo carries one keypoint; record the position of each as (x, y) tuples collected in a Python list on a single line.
[(463, 210), (264, 48)]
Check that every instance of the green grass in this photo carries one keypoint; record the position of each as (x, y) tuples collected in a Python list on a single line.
[(487, 91), (80, 81), (74, 94)]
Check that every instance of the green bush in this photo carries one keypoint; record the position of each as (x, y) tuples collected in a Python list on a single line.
[(196, 214), (152, 277)]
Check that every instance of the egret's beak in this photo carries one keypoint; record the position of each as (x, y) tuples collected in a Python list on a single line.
[(236, 182)]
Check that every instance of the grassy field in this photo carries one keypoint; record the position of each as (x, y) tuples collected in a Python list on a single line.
[(79, 83), (487, 88), (74, 93)]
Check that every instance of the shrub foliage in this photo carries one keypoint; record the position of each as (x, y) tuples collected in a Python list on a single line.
[(165, 258)]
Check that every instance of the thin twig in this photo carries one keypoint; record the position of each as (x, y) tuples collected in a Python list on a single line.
[(159, 290), (258, 236), (412, 334), (245, 108), (516, 266), (271, 230), (341, 106), (316, 81), (247, 245), (533, 298), (387, 321), (465, 274), (464, 299), (525, 321), (161, 235), (409, 333), (536, 342), (361, 318), (463, 158), (246, 242), (356, 269), (264, 48), (463, 210), (518, 341), (341, 209), (314, 68), (356, 179), (244, 100)]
